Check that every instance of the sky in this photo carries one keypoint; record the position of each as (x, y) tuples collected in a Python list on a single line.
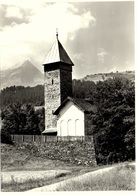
[(98, 36)]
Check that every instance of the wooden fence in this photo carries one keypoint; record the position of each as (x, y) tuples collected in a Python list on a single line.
[(44, 138)]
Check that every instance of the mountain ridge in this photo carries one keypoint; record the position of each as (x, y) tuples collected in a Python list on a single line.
[(21, 75)]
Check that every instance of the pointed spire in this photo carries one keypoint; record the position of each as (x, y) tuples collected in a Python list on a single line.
[(57, 54)]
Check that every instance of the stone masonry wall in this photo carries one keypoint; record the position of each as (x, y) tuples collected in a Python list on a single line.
[(66, 84), (76, 152), (52, 97)]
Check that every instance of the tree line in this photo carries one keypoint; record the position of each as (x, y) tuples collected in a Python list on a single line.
[(24, 95), (35, 95)]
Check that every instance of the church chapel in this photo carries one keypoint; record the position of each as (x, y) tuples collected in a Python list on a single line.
[(64, 115)]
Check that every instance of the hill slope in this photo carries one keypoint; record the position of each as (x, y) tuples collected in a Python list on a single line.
[(104, 76), (26, 75)]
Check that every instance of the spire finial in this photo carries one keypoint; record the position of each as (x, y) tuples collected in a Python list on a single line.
[(57, 33)]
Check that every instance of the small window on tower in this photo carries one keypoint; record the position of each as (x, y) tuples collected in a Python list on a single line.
[(52, 82)]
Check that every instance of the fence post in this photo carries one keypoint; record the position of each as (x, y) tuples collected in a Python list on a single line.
[(43, 138), (12, 137), (22, 138)]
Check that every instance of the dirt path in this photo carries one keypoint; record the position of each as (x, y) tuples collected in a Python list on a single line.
[(53, 187)]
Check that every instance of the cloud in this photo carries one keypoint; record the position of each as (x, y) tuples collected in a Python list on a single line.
[(79, 57), (12, 15), (13, 12), (102, 55), (23, 4), (30, 32)]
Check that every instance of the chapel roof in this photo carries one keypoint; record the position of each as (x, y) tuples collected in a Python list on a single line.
[(57, 54), (84, 105)]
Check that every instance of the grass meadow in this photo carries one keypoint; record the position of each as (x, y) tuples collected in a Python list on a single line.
[(117, 179)]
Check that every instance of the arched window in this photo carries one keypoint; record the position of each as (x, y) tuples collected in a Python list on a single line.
[(52, 81), (70, 128)]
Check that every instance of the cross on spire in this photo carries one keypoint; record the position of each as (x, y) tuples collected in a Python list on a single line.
[(57, 33)]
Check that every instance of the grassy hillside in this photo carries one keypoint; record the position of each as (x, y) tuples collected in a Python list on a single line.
[(27, 156), (104, 76), (121, 177), (19, 158)]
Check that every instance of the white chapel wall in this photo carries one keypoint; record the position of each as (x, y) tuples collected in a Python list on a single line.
[(71, 121)]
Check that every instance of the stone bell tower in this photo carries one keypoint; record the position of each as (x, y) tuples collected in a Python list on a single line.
[(57, 83)]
